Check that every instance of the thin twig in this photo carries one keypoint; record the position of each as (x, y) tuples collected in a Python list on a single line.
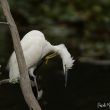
[(4, 23), (4, 81)]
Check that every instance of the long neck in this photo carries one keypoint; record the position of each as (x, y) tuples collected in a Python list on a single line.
[(65, 55), (61, 50), (47, 48)]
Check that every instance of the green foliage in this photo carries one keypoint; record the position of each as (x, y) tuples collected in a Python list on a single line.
[(86, 21)]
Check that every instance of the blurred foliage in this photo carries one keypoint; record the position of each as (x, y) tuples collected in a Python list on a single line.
[(83, 25)]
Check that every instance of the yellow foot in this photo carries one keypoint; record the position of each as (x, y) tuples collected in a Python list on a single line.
[(49, 57)]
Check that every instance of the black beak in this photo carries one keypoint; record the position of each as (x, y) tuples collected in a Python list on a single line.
[(66, 75)]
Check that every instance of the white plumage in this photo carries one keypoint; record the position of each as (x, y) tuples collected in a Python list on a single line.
[(35, 47)]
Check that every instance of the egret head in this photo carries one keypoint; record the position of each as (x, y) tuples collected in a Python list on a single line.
[(67, 60)]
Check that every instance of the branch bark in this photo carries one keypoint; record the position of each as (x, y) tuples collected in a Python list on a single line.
[(24, 77)]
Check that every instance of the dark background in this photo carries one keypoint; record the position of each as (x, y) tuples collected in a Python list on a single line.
[(83, 26)]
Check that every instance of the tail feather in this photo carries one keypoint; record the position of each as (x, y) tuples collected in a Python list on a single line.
[(12, 66)]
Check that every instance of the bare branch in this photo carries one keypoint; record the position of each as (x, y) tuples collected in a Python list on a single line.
[(5, 81), (24, 77)]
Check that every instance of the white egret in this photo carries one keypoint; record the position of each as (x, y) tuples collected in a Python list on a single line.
[(35, 47)]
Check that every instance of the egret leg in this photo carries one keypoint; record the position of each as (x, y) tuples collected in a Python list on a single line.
[(38, 92), (35, 82), (36, 85), (50, 56)]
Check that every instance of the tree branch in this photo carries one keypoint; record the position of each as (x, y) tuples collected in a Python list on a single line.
[(24, 77), (4, 23)]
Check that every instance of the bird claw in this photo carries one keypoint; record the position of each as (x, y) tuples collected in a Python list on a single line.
[(49, 57)]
